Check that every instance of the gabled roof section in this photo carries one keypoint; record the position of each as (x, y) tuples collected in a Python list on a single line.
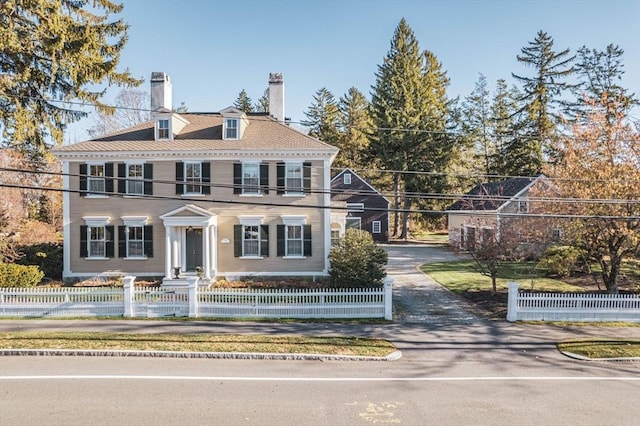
[(494, 195), (188, 210), (202, 134), (336, 185)]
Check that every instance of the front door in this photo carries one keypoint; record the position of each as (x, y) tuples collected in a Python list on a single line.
[(194, 248)]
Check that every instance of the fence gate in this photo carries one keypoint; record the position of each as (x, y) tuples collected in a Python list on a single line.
[(161, 302)]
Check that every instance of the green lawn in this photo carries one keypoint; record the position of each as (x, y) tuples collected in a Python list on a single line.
[(464, 275), (598, 349), (197, 343)]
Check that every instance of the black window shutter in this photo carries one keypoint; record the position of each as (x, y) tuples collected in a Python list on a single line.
[(108, 181), (206, 177), (264, 240), (306, 175), (307, 240), (122, 181), (179, 177), (122, 241), (148, 240), (237, 178), (108, 236), (83, 240), (264, 178), (280, 175), (237, 240), (280, 238), (147, 174), (83, 179)]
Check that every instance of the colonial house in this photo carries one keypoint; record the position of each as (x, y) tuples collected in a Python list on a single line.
[(365, 207), (224, 194), (481, 211)]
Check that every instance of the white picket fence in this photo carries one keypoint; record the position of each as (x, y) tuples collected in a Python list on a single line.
[(195, 301), (524, 306)]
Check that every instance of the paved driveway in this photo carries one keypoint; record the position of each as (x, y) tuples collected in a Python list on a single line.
[(416, 297)]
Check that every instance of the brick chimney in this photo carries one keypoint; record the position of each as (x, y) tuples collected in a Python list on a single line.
[(276, 96), (160, 91)]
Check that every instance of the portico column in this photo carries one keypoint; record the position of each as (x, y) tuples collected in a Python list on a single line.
[(175, 246), (207, 250), (167, 252)]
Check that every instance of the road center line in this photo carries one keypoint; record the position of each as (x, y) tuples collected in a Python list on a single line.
[(323, 379)]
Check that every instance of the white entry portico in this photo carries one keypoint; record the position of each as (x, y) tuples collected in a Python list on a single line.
[(190, 236)]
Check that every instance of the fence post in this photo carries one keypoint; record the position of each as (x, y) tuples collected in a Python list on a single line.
[(388, 302), (128, 295), (512, 304), (193, 296)]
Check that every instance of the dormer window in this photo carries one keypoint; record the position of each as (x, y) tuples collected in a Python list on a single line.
[(231, 128), (163, 129)]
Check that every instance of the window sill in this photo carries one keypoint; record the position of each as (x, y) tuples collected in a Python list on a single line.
[(294, 257), (97, 258), (193, 194), (135, 258), (251, 195), (251, 257), (96, 196), (294, 195)]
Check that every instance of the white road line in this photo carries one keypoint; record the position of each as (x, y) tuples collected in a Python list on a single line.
[(324, 379)]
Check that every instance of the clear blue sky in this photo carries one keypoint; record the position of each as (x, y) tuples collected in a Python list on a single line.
[(214, 49)]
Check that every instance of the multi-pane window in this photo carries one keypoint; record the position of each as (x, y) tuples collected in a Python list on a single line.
[(335, 236), (251, 241), (250, 178), (231, 131), (523, 206), (294, 240), (352, 223), (135, 241), (163, 129), (193, 178), (347, 178), (96, 241), (135, 184), (294, 178), (95, 180), (376, 227)]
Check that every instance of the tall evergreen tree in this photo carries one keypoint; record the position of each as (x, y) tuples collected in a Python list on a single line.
[(542, 94), (322, 117), (243, 102), (262, 105), (599, 74), (476, 127), (354, 123), (55, 49), (409, 111)]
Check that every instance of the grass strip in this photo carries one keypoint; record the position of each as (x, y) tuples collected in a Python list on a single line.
[(353, 346), (602, 348)]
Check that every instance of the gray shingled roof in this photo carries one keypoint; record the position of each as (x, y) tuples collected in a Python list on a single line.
[(492, 195), (204, 132)]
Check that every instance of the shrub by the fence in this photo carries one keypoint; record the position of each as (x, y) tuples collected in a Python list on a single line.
[(356, 261), (46, 256), (12, 275), (560, 261)]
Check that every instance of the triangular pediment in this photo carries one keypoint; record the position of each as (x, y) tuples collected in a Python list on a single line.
[(188, 210)]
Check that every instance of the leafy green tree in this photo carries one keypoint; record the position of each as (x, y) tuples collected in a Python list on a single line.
[(542, 95), (50, 50), (262, 105), (356, 261), (354, 124), (409, 112), (243, 102), (322, 117)]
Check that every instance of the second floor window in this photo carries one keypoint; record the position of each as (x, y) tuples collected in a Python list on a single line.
[(95, 180), (193, 177), (293, 178), (250, 178), (135, 184), (163, 129)]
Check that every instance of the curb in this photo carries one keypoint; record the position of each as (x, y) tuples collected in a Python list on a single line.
[(396, 355), (586, 358)]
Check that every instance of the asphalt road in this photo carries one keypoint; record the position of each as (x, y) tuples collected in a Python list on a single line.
[(456, 369)]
